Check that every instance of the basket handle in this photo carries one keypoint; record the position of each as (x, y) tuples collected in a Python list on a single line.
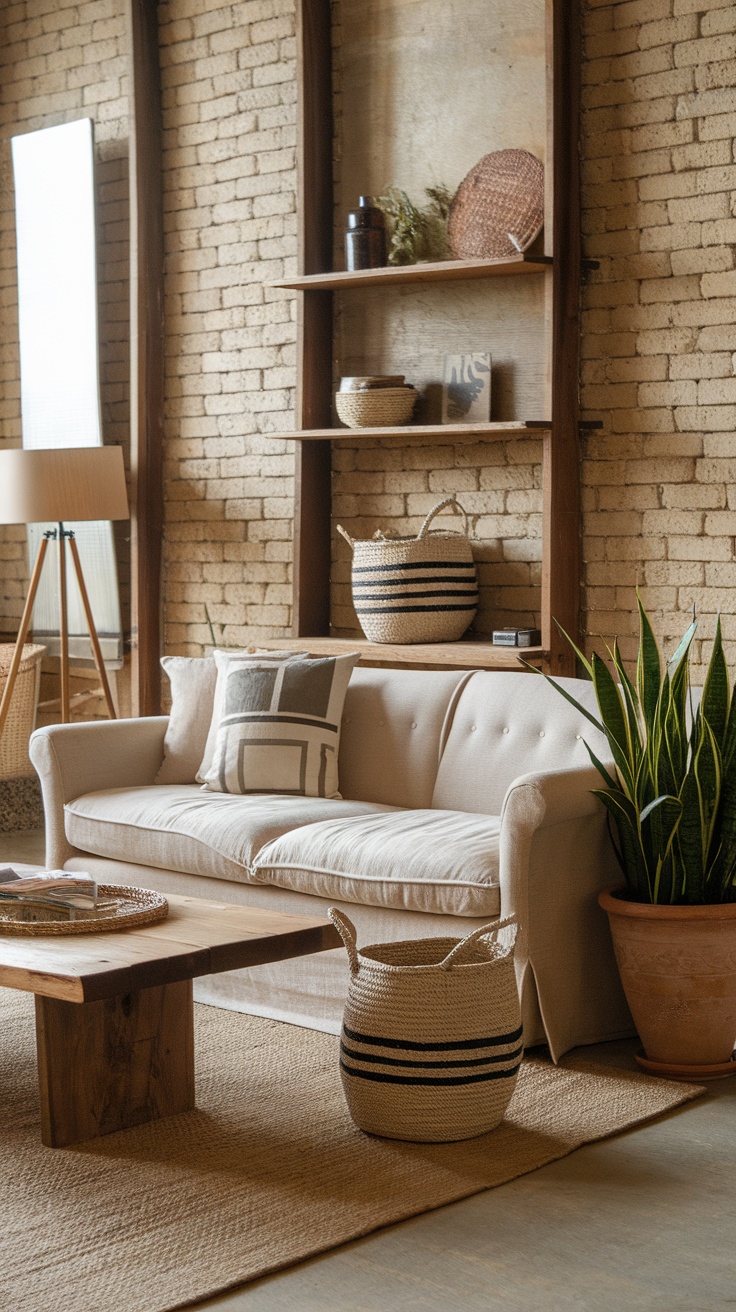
[(448, 501), (344, 534), (453, 957), (346, 930)]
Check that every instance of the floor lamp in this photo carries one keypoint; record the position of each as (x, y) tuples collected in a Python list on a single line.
[(42, 486)]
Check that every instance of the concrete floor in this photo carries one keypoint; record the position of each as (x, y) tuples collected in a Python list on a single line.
[(644, 1222), (25, 845)]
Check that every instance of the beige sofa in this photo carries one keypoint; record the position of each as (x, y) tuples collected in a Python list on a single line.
[(467, 795)]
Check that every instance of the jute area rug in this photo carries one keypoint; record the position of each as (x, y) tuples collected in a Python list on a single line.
[(268, 1170)]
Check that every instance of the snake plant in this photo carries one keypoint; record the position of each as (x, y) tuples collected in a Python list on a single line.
[(672, 792)]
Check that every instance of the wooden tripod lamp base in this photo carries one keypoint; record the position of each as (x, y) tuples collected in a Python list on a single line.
[(75, 483)]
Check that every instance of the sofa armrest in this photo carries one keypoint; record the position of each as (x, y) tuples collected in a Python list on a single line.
[(556, 855), (550, 797), (73, 759)]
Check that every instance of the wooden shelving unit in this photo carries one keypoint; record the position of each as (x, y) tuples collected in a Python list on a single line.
[(475, 655), (498, 432), (443, 271), (318, 284)]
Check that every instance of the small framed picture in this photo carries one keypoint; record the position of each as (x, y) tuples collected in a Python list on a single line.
[(466, 390)]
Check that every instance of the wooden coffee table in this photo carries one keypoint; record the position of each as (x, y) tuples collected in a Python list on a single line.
[(114, 1012)]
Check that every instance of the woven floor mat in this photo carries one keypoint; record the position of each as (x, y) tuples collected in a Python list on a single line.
[(268, 1170)]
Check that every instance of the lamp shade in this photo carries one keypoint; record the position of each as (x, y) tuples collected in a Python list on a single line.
[(68, 483)]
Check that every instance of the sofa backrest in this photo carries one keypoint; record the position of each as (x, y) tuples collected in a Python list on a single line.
[(392, 731), (506, 725), (457, 740)]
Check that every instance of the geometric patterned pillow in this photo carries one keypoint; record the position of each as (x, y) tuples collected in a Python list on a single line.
[(225, 659), (279, 730)]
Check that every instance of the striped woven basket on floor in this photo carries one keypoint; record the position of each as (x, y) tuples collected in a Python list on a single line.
[(422, 589), (431, 1039)]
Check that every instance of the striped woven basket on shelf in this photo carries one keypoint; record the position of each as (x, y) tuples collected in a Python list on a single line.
[(431, 1039), (421, 589)]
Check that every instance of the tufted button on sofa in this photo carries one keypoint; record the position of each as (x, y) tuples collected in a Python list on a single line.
[(464, 796)]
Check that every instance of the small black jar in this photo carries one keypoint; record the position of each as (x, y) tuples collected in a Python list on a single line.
[(365, 238)]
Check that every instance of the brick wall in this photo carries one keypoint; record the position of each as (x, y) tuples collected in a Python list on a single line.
[(658, 339), (229, 176), (659, 124)]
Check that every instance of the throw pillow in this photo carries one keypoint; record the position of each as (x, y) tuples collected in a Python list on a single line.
[(224, 660), (280, 726), (192, 682)]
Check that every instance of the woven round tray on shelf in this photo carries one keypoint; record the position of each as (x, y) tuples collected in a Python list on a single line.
[(135, 908), (502, 194)]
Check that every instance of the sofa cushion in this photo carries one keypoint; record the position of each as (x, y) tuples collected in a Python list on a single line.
[(279, 729), (192, 680), (226, 660), (506, 725), (182, 827), (438, 861), (392, 730)]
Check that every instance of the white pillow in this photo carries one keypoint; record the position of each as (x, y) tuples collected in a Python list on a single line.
[(222, 661), (192, 680), (279, 726)]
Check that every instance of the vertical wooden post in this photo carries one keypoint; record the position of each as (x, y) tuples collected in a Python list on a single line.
[(64, 701), (313, 472), (146, 355), (561, 462)]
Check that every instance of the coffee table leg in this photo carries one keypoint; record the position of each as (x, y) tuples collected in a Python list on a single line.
[(104, 1066)]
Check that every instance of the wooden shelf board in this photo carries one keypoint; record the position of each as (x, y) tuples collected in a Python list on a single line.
[(441, 271), (451, 432), (471, 655)]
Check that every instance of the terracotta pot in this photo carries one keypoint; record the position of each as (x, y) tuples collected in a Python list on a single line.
[(678, 970)]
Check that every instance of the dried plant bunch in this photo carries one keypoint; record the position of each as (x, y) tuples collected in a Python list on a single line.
[(416, 234)]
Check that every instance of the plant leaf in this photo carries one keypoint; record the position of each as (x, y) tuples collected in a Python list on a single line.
[(580, 655), (683, 646), (613, 716), (631, 703), (721, 876), (662, 817), (707, 772), (624, 815), (600, 767), (714, 705), (648, 667)]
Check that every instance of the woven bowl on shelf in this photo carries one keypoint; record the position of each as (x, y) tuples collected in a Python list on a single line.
[(377, 408)]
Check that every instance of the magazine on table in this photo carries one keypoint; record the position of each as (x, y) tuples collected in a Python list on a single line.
[(52, 889)]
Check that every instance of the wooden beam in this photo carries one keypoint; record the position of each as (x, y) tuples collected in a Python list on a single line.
[(146, 356), (313, 471), (561, 463)]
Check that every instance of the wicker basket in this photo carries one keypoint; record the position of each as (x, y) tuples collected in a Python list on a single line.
[(431, 1039), (378, 407), (14, 759), (422, 589), (498, 208)]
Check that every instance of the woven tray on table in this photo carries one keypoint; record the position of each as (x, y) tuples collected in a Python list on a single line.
[(501, 198), (14, 760), (130, 908)]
